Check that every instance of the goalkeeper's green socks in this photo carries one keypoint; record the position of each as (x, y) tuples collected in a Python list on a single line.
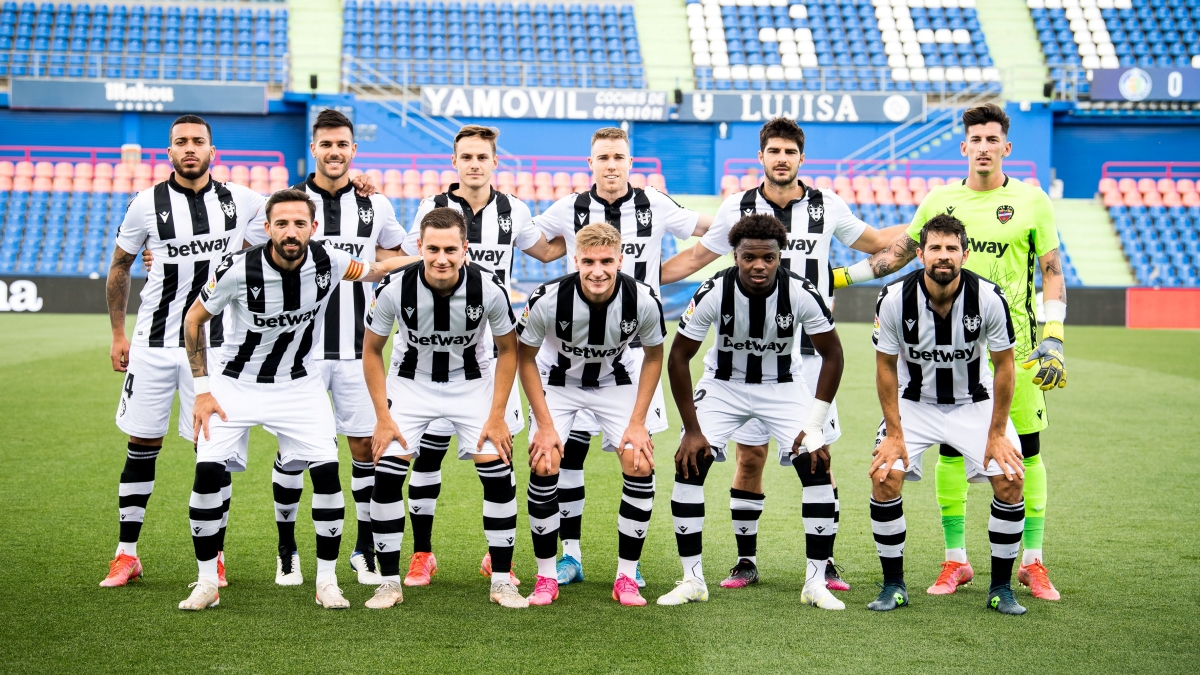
[(950, 479), (1035, 509)]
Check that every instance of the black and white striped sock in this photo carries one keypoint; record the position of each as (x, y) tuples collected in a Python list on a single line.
[(424, 487), (633, 521), (362, 483), (286, 487), (499, 514), (817, 511), (226, 497), (328, 514), (1005, 527), (837, 516), (205, 510), (889, 528), (746, 508), (544, 519), (133, 493), (687, 514), (387, 515), (571, 492)]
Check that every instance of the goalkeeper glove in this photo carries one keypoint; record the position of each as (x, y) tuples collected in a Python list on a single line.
[(841, 277), (1052, 370)]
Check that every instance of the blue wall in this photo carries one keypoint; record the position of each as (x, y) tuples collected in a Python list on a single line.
[(1082, 145)]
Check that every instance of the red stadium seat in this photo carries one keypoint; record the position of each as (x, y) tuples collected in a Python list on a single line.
[(1113, 198), (375, 174), (562, 191), (393, 176), (806, 179), (101, 170), (122, 171), (122, 185), (412, 191), (847, 196), (541, 179), (431, 177), (64, 170), (393, 190), (917, 183), (1152, 199), (140, 184), (448, 176), (220, 173), (1165, 186), (22, 184), (1108, 185), (43, 184), (277, 185), (83, 170), (884, 197), (102, 185), (1133, 198), (544, 192), (1147, 185), (260, 186), (729, 182), (504, 178), (1032, 181), (430, 190), (79, 184), (1185, 186), (918, 196), (637, 180), (1191, 199), (142, 171), (903, 197), (748, 181), (412, 177), (824, 183), (657, 181), (239, 174), (7, 170), (935, 182), (1127, 185), (279, 173), (525, 191), (6, 183), (561, 179), (1172, 199), (260, 173), (525, 178), (162, 171), (839, 183), (864, 196), (61, 185), (898, 183), (24, 169), (879, 183), (581, 181), (43, 170), (860, 183)]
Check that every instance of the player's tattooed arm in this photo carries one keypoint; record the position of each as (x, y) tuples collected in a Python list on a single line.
[(195, 339), (1054, 282), (893, 258), (116, 291)]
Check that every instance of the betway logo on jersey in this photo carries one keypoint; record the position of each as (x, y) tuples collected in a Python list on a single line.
[(198, 248), (590, 352), (284, 320), (993, 247), (941, 356), (754, 346), (436, 340), (347, 246), (634, 250), (802, 245), (491, 257)]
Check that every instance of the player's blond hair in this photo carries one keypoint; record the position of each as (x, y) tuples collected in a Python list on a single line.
[(598, 235)]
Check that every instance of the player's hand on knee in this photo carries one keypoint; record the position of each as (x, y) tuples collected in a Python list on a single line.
[(386, 431), (147, 259), (637, 440), (496, 431), (810, 441), (1002, 451), (546, 445), (820, 454), (692, 447), (120, 353), (202, 411), (886, 453)]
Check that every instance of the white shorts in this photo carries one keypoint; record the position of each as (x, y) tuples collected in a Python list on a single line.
[(153, 376), (516, 422), (963, 426), (352, 408), (610, 407), (754, 433), (297, 411), (656, 417), (465, 404), (724, 407)]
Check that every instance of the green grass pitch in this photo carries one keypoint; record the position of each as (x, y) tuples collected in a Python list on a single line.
[(1122, 542)]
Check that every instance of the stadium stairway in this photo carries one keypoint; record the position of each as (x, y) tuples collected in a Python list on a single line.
[(1015, 48), (315, 31), (1087, 232), (666, 52)]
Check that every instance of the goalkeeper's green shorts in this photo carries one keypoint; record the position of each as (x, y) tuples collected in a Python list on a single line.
[(1028, 413)]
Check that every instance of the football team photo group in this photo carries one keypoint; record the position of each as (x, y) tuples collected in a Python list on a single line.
[(314, 313)]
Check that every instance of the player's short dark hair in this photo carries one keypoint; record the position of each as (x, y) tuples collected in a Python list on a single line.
[(988, 112), (946, 224), (758, 226), (188, 119), (332, 119), (477, 131), (610, 134), (781, 127), (291, 195), (443, 218)]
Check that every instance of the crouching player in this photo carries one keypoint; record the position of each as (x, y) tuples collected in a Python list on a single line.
[(938, 320)]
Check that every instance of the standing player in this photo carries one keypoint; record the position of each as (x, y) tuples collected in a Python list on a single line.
[(751, 373), (265, 375), (1009, 225), (366, 228), (188, 221), (575, 337), (643, 217), (812, 218), (938, 321), (441, 369), (497, 225)]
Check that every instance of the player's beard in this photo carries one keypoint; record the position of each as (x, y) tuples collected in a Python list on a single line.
[(943, 276), (325, 171), (283, 254), (200, 170), (787, 182)]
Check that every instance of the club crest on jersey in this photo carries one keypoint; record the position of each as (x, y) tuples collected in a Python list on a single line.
[(784, 320), (229, 209), (627, 327), (816, 211), (366, 215), (972, 323), (643, 216), (1004, 213), (323, 281), (505, 223), (474, 312)]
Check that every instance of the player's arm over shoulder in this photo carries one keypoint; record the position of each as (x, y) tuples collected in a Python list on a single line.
[(531, 326), (884, 334), (499, 307), (811, 309), (652, 325)]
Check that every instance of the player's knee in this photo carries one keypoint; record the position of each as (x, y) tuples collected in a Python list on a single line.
[(210, 473), (889, 489), (325, 477), (360, 448), (809, 474), (151, 442), (751, 458), (1008, 491)]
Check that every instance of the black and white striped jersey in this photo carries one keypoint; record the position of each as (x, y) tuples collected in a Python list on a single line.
[(943, 360), (587, 345), (187, 231), (757, 335), (441, 336), (642, 216), (504, 223), (355, 225), (274, 313)]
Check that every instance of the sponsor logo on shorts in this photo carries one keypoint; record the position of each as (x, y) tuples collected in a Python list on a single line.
[(941, 355)]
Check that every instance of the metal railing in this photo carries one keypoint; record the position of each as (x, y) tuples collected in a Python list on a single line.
[(586, 75), (905, 168), (531, 163), (94, 155), (1156, 170)]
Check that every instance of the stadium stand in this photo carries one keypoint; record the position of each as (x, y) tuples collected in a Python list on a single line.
[(405, 44), (1080, 35), (823, 45), (1157, 220), (150, 42)]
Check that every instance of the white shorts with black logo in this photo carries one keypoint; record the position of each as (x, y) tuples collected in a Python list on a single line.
[(610, 407), (754, 433), (963, 426), (153, 376), (352, 408), (723, 407), (656, 417), (297, 411), (516, 422), (416, 404)]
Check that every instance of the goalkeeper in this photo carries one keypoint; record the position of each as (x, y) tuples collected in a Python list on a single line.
[(1010, 229)]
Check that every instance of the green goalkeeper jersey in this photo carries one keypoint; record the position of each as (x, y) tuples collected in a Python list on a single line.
[(1008, 229)]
